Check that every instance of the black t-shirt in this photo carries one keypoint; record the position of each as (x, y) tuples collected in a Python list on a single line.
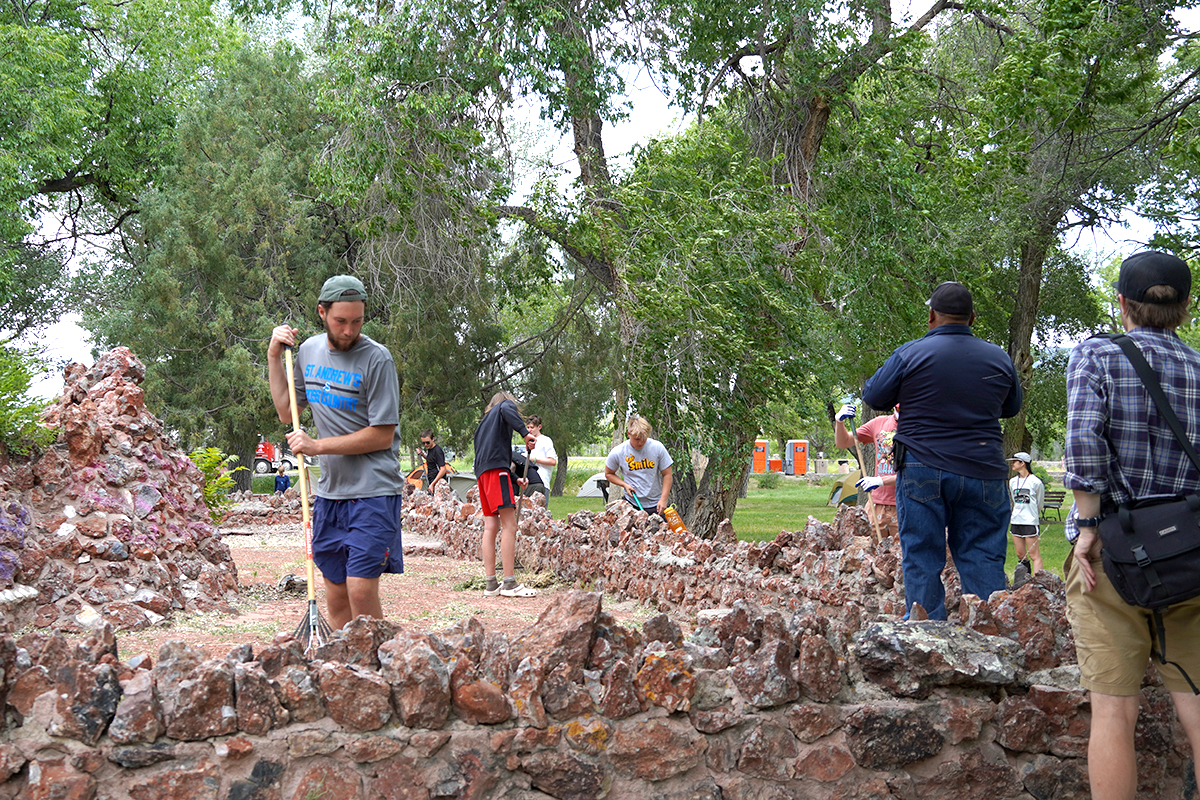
[(435, 459), (520, 456)]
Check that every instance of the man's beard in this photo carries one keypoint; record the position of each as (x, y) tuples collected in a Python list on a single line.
[(338, 345)]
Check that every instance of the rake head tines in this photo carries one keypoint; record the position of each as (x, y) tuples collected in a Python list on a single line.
[(313, 630)]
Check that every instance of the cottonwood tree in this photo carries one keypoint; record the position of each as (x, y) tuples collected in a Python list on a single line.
[(89, 93)]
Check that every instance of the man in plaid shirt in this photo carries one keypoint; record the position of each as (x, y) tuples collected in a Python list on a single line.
[(1118, 449)]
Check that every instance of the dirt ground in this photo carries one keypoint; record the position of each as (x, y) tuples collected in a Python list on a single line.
[(432, 593)]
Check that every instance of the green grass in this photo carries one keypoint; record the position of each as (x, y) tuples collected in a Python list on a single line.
[(765, 512)]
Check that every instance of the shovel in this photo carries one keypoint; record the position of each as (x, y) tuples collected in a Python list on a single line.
[(313, 630)]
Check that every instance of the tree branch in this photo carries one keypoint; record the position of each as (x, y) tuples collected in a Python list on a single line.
[(599, 268)]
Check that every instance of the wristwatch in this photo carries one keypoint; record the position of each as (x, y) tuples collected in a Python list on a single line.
[(1088, 522)]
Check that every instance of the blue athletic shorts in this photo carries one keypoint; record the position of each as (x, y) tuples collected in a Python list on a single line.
[(359, 538)]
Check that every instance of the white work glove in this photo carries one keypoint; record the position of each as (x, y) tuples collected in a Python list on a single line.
[(869, 484), (845, 412)]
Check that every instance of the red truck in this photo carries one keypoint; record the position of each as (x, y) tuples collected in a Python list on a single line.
[(268, 456)]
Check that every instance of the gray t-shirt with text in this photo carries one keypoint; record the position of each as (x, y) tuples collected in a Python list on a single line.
[(641, 469), (349, 391)]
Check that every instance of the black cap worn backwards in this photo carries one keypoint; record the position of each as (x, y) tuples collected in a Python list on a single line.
[(952, 299), (1150, 268)]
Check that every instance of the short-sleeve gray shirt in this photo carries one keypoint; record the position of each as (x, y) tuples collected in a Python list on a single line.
[(348, 391), (641, 469)]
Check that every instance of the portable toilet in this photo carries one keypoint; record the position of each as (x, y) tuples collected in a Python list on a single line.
[(795, 457), (762, 455)]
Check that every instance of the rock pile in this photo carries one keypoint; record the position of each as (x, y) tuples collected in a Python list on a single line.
[(109, 523), (753, 704)]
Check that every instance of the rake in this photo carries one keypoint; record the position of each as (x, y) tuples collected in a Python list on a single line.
[(313, 630), (869, 506)]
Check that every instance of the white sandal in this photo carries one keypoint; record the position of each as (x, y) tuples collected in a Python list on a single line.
[(520, 590)]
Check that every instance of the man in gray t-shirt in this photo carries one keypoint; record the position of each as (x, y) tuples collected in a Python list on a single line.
[(644, 464), (349, 383)]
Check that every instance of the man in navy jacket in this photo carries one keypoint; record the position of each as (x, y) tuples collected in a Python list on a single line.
[(952, 478)]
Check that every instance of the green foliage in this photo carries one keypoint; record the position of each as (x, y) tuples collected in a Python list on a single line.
[(232, 244), (719, 318), (218, 481), (20, 413), (769, 480), (88, 97), (1041, 473), (263, 484)]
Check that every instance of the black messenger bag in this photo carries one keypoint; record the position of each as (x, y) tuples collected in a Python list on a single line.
[(1152, 550), (1151, 545)]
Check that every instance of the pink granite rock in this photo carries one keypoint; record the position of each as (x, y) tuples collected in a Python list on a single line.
[(54, 779), (666, 679), (765, 678), (657, 749), (355, 698), (138, 718), (419, 679), (258, 707), (179, 780)]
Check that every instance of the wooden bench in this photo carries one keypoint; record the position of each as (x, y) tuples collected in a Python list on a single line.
[(1053, 500)]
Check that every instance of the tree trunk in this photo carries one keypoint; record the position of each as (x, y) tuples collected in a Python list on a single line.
[(683, 479), (243, 471), (1020, 330), (717, 495), (560, 475)]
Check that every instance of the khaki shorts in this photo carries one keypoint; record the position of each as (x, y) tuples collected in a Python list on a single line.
[(1113, 638)]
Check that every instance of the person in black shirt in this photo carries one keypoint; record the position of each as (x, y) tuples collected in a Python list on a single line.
[(435, 459)]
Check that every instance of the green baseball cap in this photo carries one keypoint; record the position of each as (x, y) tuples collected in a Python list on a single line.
[(342, 287)]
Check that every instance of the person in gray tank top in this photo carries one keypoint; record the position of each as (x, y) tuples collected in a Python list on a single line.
[(349, 382)]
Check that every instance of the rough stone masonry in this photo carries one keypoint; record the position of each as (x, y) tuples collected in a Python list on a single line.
[(795, 681), (109, 523)]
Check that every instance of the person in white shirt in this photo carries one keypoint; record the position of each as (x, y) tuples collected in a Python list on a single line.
[(1028, 496), (543, 455)]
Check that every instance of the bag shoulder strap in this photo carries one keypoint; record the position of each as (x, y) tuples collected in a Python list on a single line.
[(1150, 381)]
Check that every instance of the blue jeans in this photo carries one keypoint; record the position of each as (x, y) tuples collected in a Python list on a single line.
[(936, 508)]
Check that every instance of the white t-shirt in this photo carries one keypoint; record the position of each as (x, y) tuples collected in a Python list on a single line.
[(641, 469), (1028, 496), (544, 448)]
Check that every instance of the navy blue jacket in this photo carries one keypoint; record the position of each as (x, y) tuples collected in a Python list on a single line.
[(953, 389), (493, 437)]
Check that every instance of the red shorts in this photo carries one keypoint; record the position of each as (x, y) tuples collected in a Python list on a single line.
[(496, 491)]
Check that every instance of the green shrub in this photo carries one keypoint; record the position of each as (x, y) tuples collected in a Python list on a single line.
[(769, 480), (264, 484), (1042, 474), (20, 413), (218, 479)]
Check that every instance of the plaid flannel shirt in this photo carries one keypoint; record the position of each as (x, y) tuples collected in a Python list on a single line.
[(1118, 445)]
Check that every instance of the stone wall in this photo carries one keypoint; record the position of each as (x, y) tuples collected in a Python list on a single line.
[(750, 706), (109, 523), (801, 685)]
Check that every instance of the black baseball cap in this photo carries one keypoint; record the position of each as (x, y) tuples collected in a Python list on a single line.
[(1151, 268), (953, 299)]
